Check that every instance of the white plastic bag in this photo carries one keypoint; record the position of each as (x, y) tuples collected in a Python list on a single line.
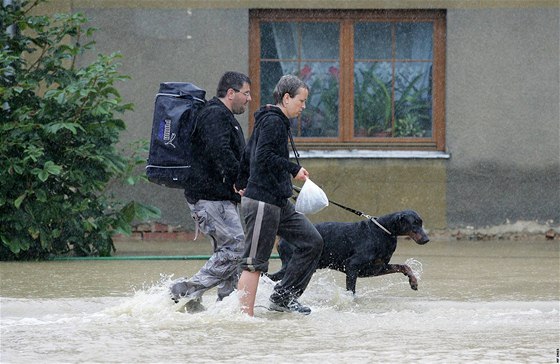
[(311, 198)]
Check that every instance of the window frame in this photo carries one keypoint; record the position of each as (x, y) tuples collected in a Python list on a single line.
[(347, 18)]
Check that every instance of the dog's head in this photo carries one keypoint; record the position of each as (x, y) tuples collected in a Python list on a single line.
[(410, 223)]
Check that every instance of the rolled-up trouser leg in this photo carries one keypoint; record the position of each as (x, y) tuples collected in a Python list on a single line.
[(261, 222), (220, 221), (297, 230)]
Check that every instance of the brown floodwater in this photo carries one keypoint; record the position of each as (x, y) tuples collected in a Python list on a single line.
[(477, 301)]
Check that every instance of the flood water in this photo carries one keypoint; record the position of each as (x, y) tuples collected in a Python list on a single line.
[(477, 301)]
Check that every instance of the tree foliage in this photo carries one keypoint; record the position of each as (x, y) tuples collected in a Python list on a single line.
[(58, 137)]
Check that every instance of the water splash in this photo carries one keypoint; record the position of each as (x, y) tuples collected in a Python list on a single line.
[(416, 267), (153, 302), (326, 292)]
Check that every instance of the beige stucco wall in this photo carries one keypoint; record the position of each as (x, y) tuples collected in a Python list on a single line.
[(198, 45), (305, 4), (380, 186), (502, 97), (169, 45), (502, 86), (503, 123)]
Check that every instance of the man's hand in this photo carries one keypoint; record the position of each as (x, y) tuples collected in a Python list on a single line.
[(240, 192)]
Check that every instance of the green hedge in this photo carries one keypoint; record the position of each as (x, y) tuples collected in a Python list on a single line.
[(58, 135)]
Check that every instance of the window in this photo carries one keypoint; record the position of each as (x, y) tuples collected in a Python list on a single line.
[(376, 78)]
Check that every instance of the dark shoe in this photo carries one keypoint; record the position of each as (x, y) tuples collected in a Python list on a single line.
[(194, 306), (290, 306), (276, 277)]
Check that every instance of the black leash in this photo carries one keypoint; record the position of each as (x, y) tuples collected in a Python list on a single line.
[(357, 212)]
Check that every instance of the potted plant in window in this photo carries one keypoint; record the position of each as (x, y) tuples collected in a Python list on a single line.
[(408, 126), (378, 102), (412, 107), (372, 104)]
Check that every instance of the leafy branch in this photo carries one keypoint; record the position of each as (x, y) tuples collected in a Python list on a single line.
[(60, 125)]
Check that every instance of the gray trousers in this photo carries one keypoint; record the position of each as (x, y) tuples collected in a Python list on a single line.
[(263, 223), (220, 221)]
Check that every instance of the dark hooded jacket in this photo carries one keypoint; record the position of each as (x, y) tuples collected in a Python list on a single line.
[(218, 146), (266, 172)]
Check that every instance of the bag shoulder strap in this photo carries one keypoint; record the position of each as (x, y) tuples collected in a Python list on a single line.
[(296, 154)]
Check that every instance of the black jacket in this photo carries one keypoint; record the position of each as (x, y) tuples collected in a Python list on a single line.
[(218, 146), (266, 172)]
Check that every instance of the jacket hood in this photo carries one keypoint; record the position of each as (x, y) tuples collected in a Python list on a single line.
[(216, 101), (267, 110)]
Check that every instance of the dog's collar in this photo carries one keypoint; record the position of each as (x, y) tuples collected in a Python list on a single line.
[(378, 224)]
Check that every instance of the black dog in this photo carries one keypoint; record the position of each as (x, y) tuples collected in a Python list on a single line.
[(362, 249)]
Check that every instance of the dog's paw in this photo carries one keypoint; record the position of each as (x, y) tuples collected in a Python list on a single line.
[(413, 283)]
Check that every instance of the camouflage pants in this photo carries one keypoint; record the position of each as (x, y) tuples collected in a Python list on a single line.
[(218, 220)]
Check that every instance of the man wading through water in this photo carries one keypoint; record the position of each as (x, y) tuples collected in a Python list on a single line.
[(212, 200), (265, 181)]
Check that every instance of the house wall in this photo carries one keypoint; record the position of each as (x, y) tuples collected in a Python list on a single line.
[(503, 125), (160, 45), (502, 106)]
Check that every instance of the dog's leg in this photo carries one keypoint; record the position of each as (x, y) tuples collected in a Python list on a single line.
[(351, 278), (285, 251), (352, 270), (401, 268), (277, 276)]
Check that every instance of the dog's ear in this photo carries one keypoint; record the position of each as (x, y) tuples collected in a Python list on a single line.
[(404, 216), (416, 218), (405, 219), (400, 219)]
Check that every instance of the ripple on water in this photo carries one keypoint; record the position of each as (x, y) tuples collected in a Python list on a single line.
[(384, 321)]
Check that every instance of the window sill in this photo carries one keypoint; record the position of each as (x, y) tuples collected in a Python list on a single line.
[(372, 154)]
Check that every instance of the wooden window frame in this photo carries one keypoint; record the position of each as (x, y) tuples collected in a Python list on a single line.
[(347, 18)]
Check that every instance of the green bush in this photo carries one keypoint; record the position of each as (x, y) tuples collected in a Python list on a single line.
[(58, 134)]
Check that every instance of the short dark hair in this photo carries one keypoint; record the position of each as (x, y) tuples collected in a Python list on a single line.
[(231, 79), (289, 84)]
